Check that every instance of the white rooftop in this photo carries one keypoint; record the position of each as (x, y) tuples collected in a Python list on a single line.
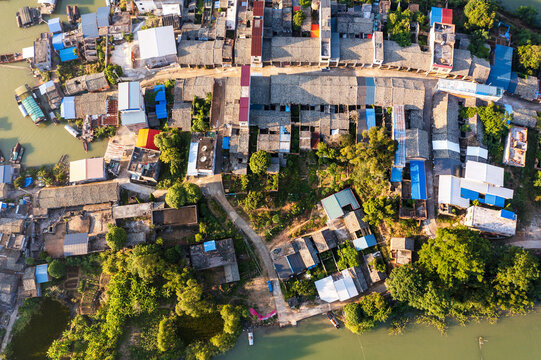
[(449, 192), (489, 220), (342, 289), (484, 172), (156, 42)]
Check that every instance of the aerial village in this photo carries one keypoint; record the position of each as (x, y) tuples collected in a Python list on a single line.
[(290, 154)]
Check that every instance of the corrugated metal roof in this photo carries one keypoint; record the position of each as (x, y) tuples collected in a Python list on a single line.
[(76, 244), (67, 108), (500, 72), (326, 290), (42, 275), (54, 25), (418, 180), (89, 25), (157, 42), (103, 16), (364, 242)]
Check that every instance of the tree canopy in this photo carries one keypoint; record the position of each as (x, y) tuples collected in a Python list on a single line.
[(365, 314), (259, 162), (530, 58), (298, 18), (57, 269), (380, 209), (116, 237), (480, 14), (399, 26), (528, 14), (348, 257), (181, 194)]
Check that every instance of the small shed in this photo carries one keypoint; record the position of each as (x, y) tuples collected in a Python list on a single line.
[(335, 203), (365, 242), (55, 25)]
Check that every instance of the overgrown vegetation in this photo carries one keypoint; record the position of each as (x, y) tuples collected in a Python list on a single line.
[(201, 113), (146, 283), (174, 145), (399, 26)]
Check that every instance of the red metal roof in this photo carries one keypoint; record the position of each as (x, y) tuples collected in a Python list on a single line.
[(447, 16), (245, 75), (259, 8), (257, 37), (244, 109)]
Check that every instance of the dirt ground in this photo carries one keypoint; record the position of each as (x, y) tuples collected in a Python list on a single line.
[(529, 236), (54, 243), (259, 296)]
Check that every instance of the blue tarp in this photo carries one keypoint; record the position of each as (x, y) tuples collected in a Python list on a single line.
[(370, 118), (500, 72), (160, 93), (54, 25), (506, 214), (396, 175), (365, 242), (68, 54), (28, 181), (209, 245), (225, 143), (161, 110), (418, 180), (41, 274)]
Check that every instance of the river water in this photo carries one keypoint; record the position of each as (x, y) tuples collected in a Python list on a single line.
[(46, 143), (516, 338)]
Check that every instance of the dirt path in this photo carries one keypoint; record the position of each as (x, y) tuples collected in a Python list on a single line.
[(12, 319)]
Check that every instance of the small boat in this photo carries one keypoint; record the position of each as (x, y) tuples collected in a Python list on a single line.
[(10, 58), (250, 338), (333, 320), (85, 145), (2, 158), (73, 13), (16, 154), (71, 130)]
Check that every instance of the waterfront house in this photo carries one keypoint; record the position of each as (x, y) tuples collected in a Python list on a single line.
[(51, 91), (216, 254), (42, 52), (6, 174), (87, 170), (89, 26), (184, 216), (55, 25), (157, 46), (76, 244), (146, 6), (131, 105), (287, 261), (342, 286), (103, 19), (495, 222)]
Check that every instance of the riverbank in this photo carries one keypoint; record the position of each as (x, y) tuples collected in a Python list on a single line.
[(515, 337)]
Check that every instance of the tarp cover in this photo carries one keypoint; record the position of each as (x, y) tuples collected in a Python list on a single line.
[(500, 72), (68, 54), (418, 180)]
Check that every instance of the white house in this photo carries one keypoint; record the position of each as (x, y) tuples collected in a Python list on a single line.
[(131, 105), (157, 46)]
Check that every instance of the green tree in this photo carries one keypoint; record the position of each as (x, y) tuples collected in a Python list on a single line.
[(298, 18), (457, 255), (305, 287), (181, 194), (527, 14), (57, 269), (305, 3), (480, 14), (353, 315), (477, 46), (518, 271), (231, 316), (375, 306), (348, 257), (260, 161), (406, 284), (190, 300), (113, 72), (399, 26), (116, 237), (530, 57), (253, 200), (19, 182), (46, 175), (379, 210), (167, 338)]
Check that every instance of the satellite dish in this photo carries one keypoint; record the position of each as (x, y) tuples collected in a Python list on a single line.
[(203, 158), (204, 148)]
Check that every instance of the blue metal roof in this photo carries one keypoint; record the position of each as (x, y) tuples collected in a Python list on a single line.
[(418, 180), (68, 54), (436, 15), (370, 91), (58, 43), (500, 72), (89, 25), (225, 143), (32, 108), (209, 245), (54, 25), (493, 200), (161, 110), (370, 118), (6, 174), (396, 174), (364, 242), (102, 15), (469, 194), (41, 274), (506, 214)]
